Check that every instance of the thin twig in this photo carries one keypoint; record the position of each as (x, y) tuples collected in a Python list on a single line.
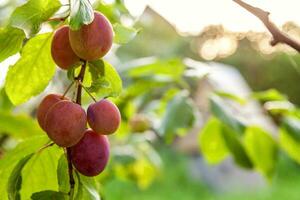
[(80, 78), (278, 36), (67, 90), (74, 92), (87, 91), (160, 138)]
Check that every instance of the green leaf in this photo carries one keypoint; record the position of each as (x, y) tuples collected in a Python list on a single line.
[(33, 71), (15, 179), (81, 13), (231, 96), (173, 68), (262, 150), (18, 126), (289, 145), (71, 74), (5, 103), (236, 148), (49, 195), (279, 107), (11, 40), (86, 188), (87, 81), (63, 174), (221, 111), (30, 16), (40, 172), (179, 116), (292, 127), (113, 10), (106, 81), (269, 95), (211, 142), (124, 34), (11, 158), (140, 87)]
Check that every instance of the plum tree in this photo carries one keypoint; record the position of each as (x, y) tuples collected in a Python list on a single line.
[(103, 117), (94, 40), (91, 154), (61, 50), (65, 123), (62, 118), (45, 105)]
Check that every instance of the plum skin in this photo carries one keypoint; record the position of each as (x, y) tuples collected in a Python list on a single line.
[(45, 105), (103, 117), (65, 123), (61, 51), (91, 154), (94, 40)]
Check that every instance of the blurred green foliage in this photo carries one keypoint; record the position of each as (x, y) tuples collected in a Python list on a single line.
[(279, 70), (155, 86)]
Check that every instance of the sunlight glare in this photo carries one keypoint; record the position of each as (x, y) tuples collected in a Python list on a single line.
[(193, 15)]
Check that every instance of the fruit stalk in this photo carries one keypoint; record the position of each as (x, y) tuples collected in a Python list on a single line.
[(79, 78)]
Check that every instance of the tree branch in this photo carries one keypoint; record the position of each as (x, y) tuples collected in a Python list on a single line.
[(278, 36), (79, 78), (70, 171)]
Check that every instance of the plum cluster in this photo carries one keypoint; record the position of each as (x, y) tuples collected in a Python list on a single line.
[(89, 43), (65, 122)]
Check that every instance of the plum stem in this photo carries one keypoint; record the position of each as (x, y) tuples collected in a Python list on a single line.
[(79, 78), (87, 91), (67, 90)]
